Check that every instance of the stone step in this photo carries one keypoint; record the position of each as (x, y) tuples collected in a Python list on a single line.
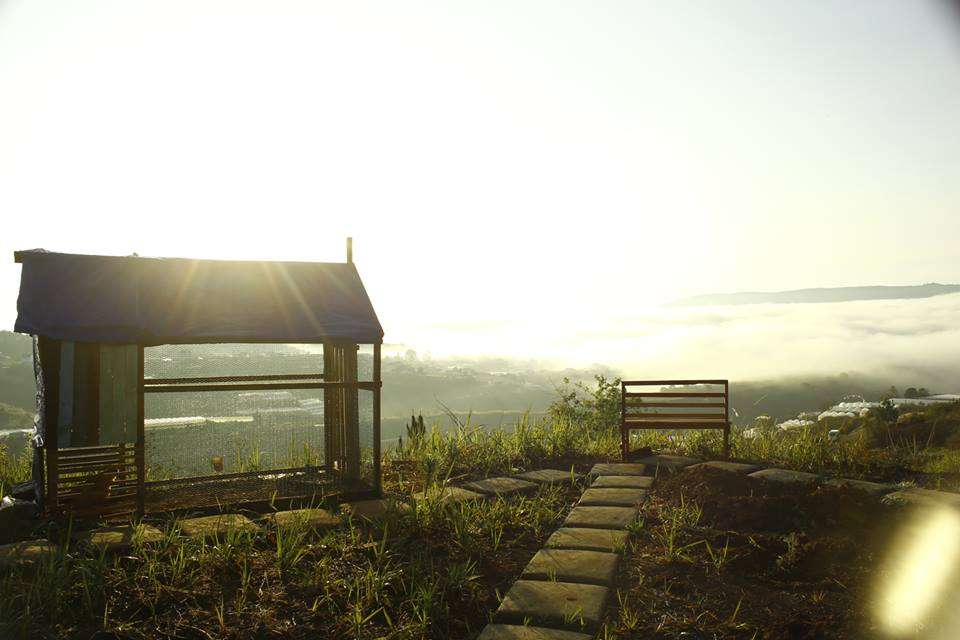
[(571, 565), (563, 605), (27, 552), (871, 488), (785, 475), (503, 486), (924, 497), (549, 476), (623, 482), (670, 462), (121, 538), (601, 517), (612, 497), (312, 518), (449, 494), (218, 525), (588, 539), (495, 631), (723, 465), (618, 469), (371, 509)]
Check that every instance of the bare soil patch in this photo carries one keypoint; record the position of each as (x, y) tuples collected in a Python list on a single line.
[(723, 555)]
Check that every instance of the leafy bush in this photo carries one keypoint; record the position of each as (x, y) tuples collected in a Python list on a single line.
[(596, 409)]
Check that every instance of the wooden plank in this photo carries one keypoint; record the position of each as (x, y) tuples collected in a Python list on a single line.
[(675, 416), (676, 425), (95, 457), (674, 394), (105, 448), (632, 383), (231, 476), (150, 382), (255, 386), (666, 405)]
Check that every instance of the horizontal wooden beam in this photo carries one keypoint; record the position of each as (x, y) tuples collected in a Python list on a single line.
[(257, 386), (638, 404), (684, 382), (673, 425), (673, 394), (675, 416), (148, 382), (318, 470)]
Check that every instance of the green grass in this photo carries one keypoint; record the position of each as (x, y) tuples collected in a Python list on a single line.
[(427, 570)]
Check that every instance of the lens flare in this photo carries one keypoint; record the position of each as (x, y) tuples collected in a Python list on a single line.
[(919, 571)]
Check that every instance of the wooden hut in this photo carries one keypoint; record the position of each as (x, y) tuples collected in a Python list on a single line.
[(275, 364)]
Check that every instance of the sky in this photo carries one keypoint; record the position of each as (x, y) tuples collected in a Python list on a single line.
[(520, 178)]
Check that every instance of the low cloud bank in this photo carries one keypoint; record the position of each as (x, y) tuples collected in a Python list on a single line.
[(915, 341)]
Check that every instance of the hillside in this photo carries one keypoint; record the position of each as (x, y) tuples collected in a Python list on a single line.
[(819, 295)]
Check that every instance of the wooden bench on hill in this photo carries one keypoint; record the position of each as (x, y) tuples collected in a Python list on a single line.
[(674, 404)]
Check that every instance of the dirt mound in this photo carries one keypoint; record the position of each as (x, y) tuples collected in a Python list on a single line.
[(732, 500)]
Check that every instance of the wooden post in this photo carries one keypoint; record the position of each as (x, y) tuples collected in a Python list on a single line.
[(139, 452), (50, 362), (351, 409), (333, 409), (377, 383), (349, 250), (726, 428), (624, 432)]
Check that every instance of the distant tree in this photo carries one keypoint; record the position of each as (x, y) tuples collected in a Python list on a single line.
[(887, 411), (911, 392), (892, 392), (922, 392)]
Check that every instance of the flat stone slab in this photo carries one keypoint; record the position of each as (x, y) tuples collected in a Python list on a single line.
[(601, 517), (554, 604), (612, 497), (312, 518), (520, 632), (924, 497), (623, 482), (618, 469), (588, 539), (210, 526), (872, 488), (785, 475), (723, 465), (549, 476), (121, 538), (501, 486), (26, 552), (674, 463), (449, 494), (573, 565), (368, 509)]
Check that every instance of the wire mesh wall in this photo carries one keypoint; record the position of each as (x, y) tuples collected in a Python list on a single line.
[(230, 439)]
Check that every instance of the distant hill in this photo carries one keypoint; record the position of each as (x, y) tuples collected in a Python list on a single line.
[(831, 294)]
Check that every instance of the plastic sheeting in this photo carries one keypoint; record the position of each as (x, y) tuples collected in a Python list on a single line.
[(131, 299)]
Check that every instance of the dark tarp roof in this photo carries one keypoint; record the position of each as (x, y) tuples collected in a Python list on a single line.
[(168, 300)]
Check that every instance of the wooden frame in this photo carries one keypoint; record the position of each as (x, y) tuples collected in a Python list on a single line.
[(59, 462), (673, 409)]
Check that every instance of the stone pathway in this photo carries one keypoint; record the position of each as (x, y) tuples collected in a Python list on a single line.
[(449, 494), (120, 539), (501, 486), (565, 589), (216, 526)]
